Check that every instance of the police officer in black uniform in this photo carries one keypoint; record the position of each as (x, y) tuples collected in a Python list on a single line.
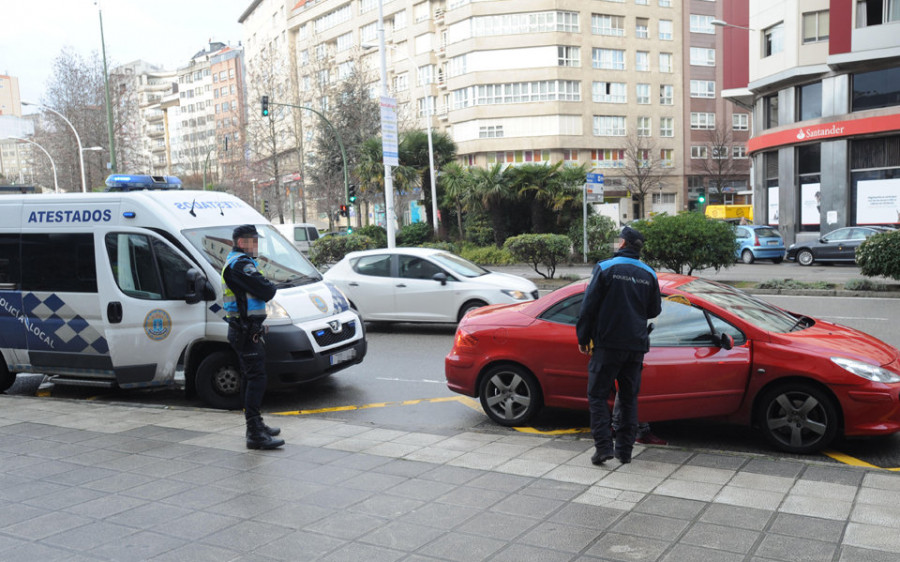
[(612, 326), (246, 292)]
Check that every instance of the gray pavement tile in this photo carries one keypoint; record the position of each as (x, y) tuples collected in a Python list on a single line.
[(346, 524), (448, 474), (554, 489), (31, 551), (89, 536), (877, 496), (794, 549), (206, 455), (30, 490), (806, 527), (338, 498), (63, 499), (71, 436), (872, 514), (328, 474), (440, 515), (386, 505), (105, 506), (713, 460), (202, 497), (140, 546), (463, 548), (13, 463), (882, 481), (294, 515), (670, 507), (652, 526), (298, 546), (834, 475), (472, 497), (360, 462), (520, 552), (812, 506), (374, 481), (531, 506), (32, 430), (627, 548), (150, 514), (585, 515), (408, 468), (402, 536), (246, 506), (500, 482), (856, 554), (289, 490), (98, 457), (566, 538), (54, 450), (78, 475), (873, 537), (198, 553), (502, 526), (247, 536), (205, 475), (424, 490), (162, 468), (194, 526), (158, 489), (355, 552), (772, 467), (43, 469), (12, 513), (688, 553), (718, 537), (323, 456), (664, 455), (737, 516), (43, 526)]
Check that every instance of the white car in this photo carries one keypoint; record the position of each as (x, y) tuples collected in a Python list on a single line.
[(422, 285)]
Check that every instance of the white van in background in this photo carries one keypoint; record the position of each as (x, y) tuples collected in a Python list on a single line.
[(302, 234), (123, 289)]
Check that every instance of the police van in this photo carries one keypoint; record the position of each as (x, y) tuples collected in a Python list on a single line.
[(122, 289)]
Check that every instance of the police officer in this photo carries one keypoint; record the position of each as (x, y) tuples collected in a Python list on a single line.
[(246, 292), (612, 326)]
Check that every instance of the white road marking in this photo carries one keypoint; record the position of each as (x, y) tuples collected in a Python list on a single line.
[(408, 380)]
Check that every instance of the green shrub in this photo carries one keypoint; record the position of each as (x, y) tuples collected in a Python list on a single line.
[(415, 234), (331, 249), (486, 255), (864, 285), (794, 284), (377, 233), (479, 230), (687, 241), (539, 249), (446, 246), (880, 255), (601, 234)]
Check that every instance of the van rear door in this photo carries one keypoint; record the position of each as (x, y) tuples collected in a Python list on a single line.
[(142, 280)]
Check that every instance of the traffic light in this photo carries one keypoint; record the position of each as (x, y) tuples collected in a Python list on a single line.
[(343, 211), (266, 207), (265, 106), (701, 197), (351, 194)]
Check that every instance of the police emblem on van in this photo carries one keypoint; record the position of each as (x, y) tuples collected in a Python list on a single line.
[(157, 324), (319, 302)]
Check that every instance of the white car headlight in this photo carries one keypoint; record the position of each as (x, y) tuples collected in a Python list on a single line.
[(275, 311), (866, 371), (518, 295)]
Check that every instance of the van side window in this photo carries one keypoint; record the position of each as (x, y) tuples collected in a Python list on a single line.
[(59, 262), (10, 265), (146, 268)]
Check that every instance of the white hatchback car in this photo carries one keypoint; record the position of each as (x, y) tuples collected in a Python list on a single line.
[(422, 285)]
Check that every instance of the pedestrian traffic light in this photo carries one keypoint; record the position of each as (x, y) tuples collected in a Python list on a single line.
[(701, 197), (343, 211), (265, 106), (351, 194)]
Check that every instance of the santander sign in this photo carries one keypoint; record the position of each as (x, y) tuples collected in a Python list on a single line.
[(836, 129)]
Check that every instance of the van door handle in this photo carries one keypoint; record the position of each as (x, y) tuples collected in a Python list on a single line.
[(353, 284), (114, 312), (402, 285)]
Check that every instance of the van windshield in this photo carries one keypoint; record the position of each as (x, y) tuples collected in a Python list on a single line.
[(278, 259)]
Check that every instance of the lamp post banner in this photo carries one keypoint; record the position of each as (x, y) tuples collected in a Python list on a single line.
[(389, 147)]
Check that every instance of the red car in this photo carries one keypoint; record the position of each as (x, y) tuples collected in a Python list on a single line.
[(715, 352)]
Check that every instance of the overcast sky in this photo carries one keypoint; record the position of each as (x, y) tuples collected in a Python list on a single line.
[(162, 32)]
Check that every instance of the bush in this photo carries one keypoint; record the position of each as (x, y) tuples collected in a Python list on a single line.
[(377, 233), (539, 249), (446, 246), (880, 255), (486, 255), (864, 285), (332, 249), (479, 230), (687, 241), (415, 234), (601, 234), (793, 284)]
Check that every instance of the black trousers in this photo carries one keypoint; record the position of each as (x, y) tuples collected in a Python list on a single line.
[(605, 368), (252, 360)]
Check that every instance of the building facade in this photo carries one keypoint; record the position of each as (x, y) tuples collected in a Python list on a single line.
[(10, 102), (824, 85)]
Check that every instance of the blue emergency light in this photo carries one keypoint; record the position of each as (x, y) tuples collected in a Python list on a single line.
[(120, 182)]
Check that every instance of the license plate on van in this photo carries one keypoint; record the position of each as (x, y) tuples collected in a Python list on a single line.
[(343, 356)]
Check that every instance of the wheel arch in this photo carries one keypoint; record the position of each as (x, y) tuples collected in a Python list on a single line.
[(499, 363), (194, 354), (755, 411), (466, 303)]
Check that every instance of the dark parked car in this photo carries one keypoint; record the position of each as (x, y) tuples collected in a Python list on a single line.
[(758, 242), (836, 246)]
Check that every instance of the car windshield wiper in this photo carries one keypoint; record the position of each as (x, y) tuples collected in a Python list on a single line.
[(800, 321), (295, 281)]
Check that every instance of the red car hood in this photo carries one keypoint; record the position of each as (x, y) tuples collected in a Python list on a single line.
[(825, 338)]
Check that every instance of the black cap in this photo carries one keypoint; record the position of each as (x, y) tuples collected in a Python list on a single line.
[(244, 231), (631, 235)]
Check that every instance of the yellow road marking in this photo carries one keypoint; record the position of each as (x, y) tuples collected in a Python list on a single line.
[(553, 431), (853, 461), (461, 399)]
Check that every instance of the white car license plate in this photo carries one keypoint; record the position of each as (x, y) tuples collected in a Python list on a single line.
[(343, 356), (772, 242)]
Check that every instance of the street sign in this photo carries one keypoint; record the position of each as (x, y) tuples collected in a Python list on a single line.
[(389, 148), (593, 189), (595, 178)]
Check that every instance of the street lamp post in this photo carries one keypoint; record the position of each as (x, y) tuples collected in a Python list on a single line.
[(109, 117), (388, 179), (77, 139), (52, 163)]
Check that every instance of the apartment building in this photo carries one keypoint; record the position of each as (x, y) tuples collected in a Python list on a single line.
[(227, 70), (144, 146), (10, 102), (824, 85)]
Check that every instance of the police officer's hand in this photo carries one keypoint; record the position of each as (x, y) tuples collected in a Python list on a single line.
[(584, 349)]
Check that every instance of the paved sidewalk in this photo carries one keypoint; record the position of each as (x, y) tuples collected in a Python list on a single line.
[(86, 481)]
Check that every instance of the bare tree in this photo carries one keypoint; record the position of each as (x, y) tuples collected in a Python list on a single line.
[(719, 166), (644, 169)]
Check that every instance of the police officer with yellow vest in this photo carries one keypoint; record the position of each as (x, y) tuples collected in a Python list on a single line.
[(246, 292)]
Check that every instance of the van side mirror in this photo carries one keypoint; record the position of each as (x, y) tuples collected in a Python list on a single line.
[(442, 277), (198, 288), (725, 341)]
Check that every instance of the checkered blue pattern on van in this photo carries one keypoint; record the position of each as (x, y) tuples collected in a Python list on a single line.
[(58, 327)]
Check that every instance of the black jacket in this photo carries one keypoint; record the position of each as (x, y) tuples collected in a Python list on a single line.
[(622, 296)]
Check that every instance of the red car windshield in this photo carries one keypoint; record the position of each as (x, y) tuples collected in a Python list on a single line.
[(742, 305)]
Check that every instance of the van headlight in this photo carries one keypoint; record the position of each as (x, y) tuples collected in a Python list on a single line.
[(275, 311), (871, 372), (518, 295)]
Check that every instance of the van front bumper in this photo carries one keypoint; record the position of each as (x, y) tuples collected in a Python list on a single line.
[(292, 360)]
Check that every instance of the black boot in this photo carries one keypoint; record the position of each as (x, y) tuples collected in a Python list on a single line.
[(258, 438), (273, 431)]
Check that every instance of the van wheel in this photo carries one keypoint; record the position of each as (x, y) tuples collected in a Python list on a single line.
[(218, 381), (7, 379)]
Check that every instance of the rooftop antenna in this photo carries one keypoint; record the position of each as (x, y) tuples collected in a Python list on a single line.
[(194, 202)]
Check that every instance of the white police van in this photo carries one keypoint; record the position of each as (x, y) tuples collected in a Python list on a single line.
[(123, 289)]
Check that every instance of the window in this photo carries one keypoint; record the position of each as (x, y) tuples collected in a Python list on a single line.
[(608, 158), (703, 88), (400, 19), (421, 12), (425, 75), (720, 152), (376, 266), (773, 40), (58, 262), (426, 106), (702, 24), (665, 30), (876, 12), (703, 57), (147, 268), (490, 131), (679, 325), (609, 92), (739, 152), (321, 51), (609, 126), (401, 82), (667, 126), (701, 120), (565, 311), (608, 59), (879, 88), (643, 93), (644, 126), (368, 32), (665, 3), (603, 24), (665, 62), (740, 121), (770, 111), (412, 267), (569, 56), (809, 101), (642, 28), (642, 61), (344, 41), (666, 94), (667, 157), (815, 26), (699, 152)]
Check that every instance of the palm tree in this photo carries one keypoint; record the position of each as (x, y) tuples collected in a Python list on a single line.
[(568, 186), (456, 182), (414, 153), (538, 183), (491, 187), (370, 171)]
